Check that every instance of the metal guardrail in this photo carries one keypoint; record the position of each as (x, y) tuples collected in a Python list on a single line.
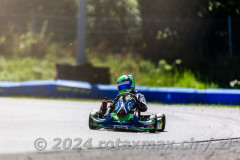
[(78, 89)]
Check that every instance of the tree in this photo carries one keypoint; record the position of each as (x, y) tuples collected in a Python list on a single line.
[(109, 23)]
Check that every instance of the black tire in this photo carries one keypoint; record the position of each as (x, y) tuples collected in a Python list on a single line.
[(155, 126), (163, 123), (90, 122)]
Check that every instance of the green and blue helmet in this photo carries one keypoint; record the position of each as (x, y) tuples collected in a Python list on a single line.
[(126, 84)]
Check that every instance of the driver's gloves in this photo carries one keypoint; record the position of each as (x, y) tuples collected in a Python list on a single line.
[(141, 106)]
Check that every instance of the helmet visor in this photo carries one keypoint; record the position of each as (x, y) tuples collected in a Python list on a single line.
[(124, 86)]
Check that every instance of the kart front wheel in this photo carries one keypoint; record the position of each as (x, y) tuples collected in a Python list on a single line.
[(163, 123), (155, 126), (90, 122)]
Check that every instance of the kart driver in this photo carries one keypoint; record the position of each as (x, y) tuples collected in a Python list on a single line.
[(126, 84)]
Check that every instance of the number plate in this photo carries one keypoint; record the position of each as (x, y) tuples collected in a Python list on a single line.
[(120, 127)]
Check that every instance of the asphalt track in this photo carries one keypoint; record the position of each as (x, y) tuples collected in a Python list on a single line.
[(22, 121)]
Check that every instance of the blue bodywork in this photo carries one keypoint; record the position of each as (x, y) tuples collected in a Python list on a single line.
[(128, 121)]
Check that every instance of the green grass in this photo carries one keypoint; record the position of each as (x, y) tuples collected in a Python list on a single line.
[(23, 68), (28, 68), (33, 56), (147, 73)]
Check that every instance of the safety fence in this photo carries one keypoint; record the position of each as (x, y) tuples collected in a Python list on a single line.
[(85, 90)]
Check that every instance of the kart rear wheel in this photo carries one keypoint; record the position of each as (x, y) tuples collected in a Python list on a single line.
[(90, 121), (163, 123), (155, 126)]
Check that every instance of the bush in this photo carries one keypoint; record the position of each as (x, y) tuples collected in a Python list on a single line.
[(22, 69), (33, 44), (32, 56)]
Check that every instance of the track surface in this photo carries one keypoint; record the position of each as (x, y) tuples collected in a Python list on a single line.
[(22, 121)]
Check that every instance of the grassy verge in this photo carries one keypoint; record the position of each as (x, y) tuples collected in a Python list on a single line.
[(147, 73), (29, 68)]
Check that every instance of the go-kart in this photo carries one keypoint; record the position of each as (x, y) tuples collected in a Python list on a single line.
[(124, 118)]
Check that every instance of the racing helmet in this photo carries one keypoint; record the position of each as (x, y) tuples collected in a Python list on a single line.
[(126, 84)]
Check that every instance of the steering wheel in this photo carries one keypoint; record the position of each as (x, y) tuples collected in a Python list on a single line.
[(124, 95)]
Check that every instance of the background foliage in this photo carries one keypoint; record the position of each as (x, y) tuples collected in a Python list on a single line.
[(196, 32)]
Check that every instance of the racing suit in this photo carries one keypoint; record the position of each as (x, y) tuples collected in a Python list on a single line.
[(140, 106)]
